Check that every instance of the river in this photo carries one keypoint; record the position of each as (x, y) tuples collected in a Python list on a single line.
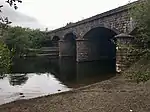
[(39, 76)]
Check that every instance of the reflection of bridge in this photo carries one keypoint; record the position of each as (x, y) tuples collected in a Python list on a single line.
[(66, 70), (92, 38)]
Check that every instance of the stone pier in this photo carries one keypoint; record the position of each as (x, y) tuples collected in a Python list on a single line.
[(83, 51), (125, 56)]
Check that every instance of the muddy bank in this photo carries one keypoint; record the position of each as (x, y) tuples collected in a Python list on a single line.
[(114, 95)]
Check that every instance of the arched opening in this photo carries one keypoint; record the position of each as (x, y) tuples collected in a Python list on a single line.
[(100, 44), (70, 44), (55, 41), (70, 37)]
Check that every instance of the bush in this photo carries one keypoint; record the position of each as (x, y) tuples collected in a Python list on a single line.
[(140, 14), (21, 39), (140, 71), (5, 59)]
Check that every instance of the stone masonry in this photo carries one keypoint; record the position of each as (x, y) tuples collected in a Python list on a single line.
[(117, 20)]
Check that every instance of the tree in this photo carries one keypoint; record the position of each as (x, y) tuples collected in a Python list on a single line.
[(16, 38), (5, 59), (141, 15), (5, 55), (4, 20), (21, 39)]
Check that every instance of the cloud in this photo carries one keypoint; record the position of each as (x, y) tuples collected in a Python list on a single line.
[(57, 13), (20, 19)]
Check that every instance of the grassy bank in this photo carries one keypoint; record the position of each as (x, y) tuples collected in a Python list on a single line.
[(140, 71)]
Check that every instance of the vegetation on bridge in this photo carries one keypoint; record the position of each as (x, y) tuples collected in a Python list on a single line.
[(140, 13)]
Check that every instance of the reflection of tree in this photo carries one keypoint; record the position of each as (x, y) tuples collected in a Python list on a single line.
[(34, 65), (2, 76), (18, 79)]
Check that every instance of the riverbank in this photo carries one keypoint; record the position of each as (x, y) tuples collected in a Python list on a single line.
[(114, 95)]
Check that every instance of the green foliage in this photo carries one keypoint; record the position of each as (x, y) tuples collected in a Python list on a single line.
[(5, 55), (5, 60), (140, 13), (16, 39), (4, 21), (12, 3), (21, 39), (141, 76), (36, 38), (140, 71)]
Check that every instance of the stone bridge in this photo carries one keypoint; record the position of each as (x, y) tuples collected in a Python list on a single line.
[(93, 38)]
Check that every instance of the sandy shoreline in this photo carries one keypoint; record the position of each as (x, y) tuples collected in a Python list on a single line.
[(114, 95)]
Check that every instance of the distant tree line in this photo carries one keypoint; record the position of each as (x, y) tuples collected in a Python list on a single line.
[(19, 39)]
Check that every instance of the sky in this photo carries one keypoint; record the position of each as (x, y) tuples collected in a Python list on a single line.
[(53, 14)]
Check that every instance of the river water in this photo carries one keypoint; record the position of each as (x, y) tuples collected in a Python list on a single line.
[(39, 76)]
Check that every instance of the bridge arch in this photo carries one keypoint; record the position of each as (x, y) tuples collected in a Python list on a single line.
[(97, 44), (101, 43), (101, 31), (55, 41), (98, 26), (68, 45), (69, 36)]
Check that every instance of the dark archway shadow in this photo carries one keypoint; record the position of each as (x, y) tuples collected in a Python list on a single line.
[(101, 45), (55, 41), (75, 75), (70, 45)]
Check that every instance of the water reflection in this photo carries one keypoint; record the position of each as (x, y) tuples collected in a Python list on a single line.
[(75, 74), (17, 79), (33, 77), (35, 86), (32, 65), (66, 70)]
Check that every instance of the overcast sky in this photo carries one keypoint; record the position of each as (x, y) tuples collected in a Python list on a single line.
[(57, 13)]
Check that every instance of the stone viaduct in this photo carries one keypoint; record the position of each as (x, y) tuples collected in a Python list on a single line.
[(94, 38)]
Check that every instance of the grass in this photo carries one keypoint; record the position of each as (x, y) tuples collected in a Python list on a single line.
[(140, 71)]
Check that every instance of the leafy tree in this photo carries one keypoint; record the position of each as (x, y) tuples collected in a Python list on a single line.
[(5, 60), (36, 38), (17, 39), (141, 16), (21, 39), (4, 20), (140, 13)]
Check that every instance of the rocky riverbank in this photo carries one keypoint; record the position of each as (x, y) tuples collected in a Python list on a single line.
[(114, 95)]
